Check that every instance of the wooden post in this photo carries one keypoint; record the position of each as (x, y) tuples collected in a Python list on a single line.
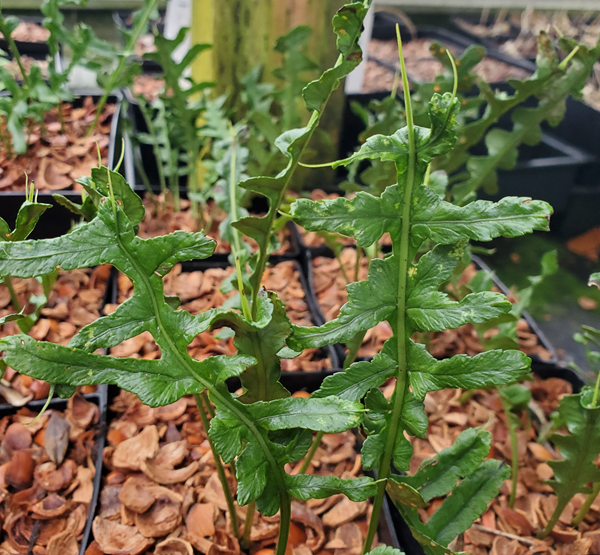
[(243, 33)]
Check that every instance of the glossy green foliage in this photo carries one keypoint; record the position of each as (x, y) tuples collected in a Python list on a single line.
[(27, 218), (578, 449), (406, 293), (178, 133), (552, 83), (459, 470), (385, 550), (251, 432)]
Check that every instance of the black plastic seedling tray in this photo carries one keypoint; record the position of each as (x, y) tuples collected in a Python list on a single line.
[(547, 171), (37, 50), (58, 220), (100, 399)]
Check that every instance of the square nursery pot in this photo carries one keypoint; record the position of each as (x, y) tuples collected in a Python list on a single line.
[(537, 363), (99, 399), (582, 213), (494, 38), (291, 379), (548, 171), (384, 24), (58, 220)]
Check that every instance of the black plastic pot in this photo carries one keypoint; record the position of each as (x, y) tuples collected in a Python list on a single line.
[(492, 41), (537, 364), (58, 220), (385, 21), (100, 399), (143, 154), (582, 213), (36, 50)]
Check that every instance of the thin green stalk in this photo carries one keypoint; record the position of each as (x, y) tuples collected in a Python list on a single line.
[(61, 118), (116, 74), (596, 392), (14, 299), (245, 541), (355, 346), (139, 165), (174, 179), (264, 255), (403, 263), (514, 451), (155, 148), (466, 396), (357, 262), (342, 268), (193, 182), (237, 245), (554, 519), (199, 398), (14, 51), (311, 452), (586, 506)]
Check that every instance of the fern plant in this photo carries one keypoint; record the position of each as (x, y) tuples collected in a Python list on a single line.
[(264, 428), (579, 448), (581, 416), (404, 291), (263, 436)]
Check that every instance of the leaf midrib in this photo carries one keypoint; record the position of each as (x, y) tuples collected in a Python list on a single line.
[(185, 363)]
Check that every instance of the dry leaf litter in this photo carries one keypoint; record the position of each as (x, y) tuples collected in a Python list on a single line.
[(161, 218), (502, 530), (161, 493), (46, 478), (330, 288), (55, 159)]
